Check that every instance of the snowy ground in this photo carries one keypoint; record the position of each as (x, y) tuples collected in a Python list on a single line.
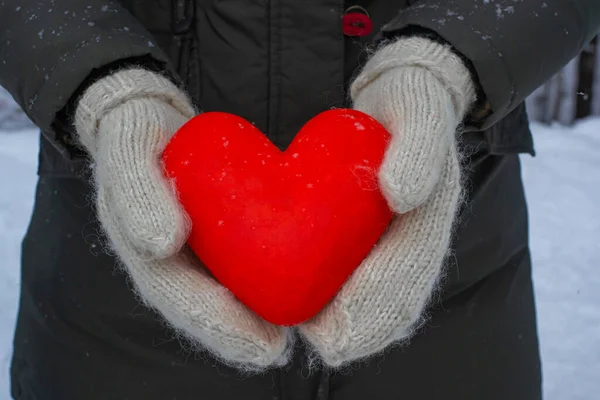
[(18, 162), (563, 190)]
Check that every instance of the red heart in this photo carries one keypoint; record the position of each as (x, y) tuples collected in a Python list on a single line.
[(281, 230)]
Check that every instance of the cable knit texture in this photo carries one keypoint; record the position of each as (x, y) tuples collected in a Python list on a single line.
[(125, 120), (420, 91)]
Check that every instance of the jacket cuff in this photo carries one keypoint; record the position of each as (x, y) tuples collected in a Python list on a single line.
[(470, 42), (113, 90), (61, 133), (422, 52)]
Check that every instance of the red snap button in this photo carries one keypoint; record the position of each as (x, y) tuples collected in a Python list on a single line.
[(356, 22)]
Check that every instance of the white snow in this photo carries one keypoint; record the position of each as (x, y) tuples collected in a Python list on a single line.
[(18, 163), (11, 116), (563, 190)]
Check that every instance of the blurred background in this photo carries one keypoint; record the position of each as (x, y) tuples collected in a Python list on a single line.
[(563, 190), (572, 94)]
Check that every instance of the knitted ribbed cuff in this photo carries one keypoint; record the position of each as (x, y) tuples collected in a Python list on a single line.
[(115, 89), (437, 58)]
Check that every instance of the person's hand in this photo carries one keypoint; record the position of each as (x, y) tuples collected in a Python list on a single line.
[(124, 121), (420, 91)]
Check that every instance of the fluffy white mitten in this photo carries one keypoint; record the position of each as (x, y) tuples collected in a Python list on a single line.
[(125, 120), (420, 90)]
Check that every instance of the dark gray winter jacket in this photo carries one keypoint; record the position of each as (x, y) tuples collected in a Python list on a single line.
[(81, 333), (257, 58)]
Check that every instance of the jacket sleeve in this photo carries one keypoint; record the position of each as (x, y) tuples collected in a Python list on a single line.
[(47, 49), (513, 46)]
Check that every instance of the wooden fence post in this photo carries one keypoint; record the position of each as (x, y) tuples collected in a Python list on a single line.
[(585, 87), (596, 84)]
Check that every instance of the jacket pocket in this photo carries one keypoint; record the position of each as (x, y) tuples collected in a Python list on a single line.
[(185, 49), (61, 162), (172, 24), (510, 135)]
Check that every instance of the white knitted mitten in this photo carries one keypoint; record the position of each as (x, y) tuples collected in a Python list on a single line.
[(124, 121), (420, 91)]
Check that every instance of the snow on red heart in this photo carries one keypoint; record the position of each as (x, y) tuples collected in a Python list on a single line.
[(281, 230)]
